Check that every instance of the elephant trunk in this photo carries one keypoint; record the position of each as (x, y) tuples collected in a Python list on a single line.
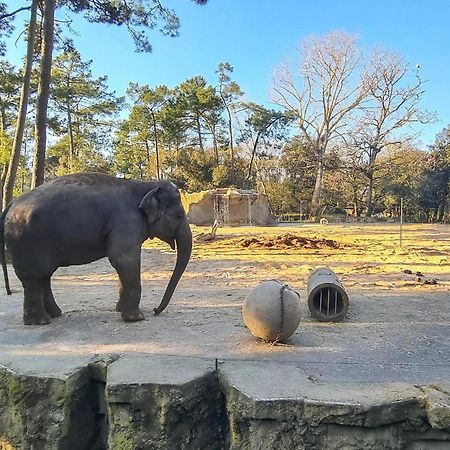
[(183, 240)]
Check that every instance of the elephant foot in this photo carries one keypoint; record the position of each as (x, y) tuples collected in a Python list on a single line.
[(54, 311), (36, 319), (132, 316)]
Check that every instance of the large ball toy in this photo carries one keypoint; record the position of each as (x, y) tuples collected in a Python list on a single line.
[(272, 311)]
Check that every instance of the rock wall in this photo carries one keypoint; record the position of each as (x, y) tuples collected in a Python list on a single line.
[(229, 207), (52, 404), (138, 402)]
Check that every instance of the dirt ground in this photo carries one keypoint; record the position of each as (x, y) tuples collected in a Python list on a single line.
[(399, 316)]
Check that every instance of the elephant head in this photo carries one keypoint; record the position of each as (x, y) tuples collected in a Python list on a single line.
[(167, 221)]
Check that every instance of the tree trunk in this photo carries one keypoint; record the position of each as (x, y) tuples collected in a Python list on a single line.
[(374, 150), (215, 146), (443, 202), (70, 126), (177, 154), (43, 95), (355, 201), (212, 128), (369, 205), (255, 145), (155, 138), (71, 138), (230, 132), (435, 214), (2, 181), (2, 120), (261, 178), (356, 205), (147, 154), (22, 114), (315, 201), (199, 132), (252, 158)]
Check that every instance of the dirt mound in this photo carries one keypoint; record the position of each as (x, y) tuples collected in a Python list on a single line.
[(287, 240)]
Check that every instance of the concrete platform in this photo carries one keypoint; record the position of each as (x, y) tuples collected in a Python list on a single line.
[(194, 377)]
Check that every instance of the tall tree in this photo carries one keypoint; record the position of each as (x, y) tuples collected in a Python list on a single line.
[(40, 130), (437, 177), (394, 94), (146, 117), (229, 92), (298, 162), (262, 126), (321, 93), (198, 101), (136, 15), (401, 176), (10, 81), (195, 170), (81, 109), (23, 106), (131, 159), (175, 130), (353, 181)]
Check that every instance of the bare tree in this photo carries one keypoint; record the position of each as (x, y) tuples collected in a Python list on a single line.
[(321, 93), (393, 106), (10, 177)]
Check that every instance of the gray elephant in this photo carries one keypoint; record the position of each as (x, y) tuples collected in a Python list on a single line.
[(77, 219)]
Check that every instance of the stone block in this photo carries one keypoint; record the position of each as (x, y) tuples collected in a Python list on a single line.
[(437, 407), (51, 403), (280, 405), (163, 402)]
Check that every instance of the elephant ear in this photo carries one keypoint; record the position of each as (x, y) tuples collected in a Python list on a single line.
[(150, 204)]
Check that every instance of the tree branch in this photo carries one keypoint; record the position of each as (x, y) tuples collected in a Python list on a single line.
[(11, 14)]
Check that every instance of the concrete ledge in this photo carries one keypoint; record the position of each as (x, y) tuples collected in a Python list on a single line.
[(165, 402), (283, 407)]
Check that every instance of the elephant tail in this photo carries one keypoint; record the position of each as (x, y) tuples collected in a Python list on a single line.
[(2, 249)]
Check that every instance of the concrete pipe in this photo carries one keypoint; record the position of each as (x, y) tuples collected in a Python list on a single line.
[(327, 299)]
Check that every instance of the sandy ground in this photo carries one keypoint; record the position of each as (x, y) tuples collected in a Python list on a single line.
[(397, 327)]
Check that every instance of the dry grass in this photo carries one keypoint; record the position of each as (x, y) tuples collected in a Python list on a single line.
[(364, 255)]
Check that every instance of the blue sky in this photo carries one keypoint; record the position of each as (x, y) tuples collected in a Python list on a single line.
[(255, 36)]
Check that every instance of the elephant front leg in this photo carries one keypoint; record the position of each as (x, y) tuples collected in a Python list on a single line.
[(34, 312), (53, 310), (129, 298), (129, 271)]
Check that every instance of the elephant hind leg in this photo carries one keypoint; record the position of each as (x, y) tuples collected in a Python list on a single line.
[(34, 312), (53, 310)]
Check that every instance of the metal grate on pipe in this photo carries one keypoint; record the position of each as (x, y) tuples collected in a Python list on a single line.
[(328, 302)]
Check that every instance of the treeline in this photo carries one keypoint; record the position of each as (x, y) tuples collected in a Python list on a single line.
[(341, 139)]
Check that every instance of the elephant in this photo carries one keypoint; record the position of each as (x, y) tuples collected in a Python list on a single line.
[(77, 219)]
